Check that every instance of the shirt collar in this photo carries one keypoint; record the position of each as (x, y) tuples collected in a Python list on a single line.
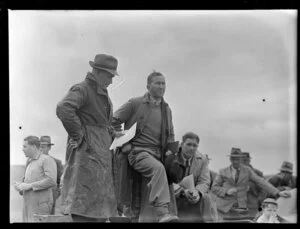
[(147, 99), (37, 156), (233, 169), (100, 90), (189, 160)]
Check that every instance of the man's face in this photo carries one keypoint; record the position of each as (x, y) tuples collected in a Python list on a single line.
[(105, 78), (157, 87), (235, 162), (286, 176), (270, 209), (28, 149), (189, 147), (45, 148), (246, 160)]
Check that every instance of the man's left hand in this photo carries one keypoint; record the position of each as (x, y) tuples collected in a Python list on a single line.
[(169, 152), (193, 197), (24, 187)]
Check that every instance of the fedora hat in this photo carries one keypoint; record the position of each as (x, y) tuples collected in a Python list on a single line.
[(45, 140), (246, 154), (287, 167), (105, 62), (235, 152)]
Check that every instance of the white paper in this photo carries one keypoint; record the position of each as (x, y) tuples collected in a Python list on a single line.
[(128, 135), (188, 182), (287, 207)]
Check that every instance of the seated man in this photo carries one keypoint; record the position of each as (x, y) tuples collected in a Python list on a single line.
[(145, 154), (232, 184), (255, 194), (284, 179), (194, 204)]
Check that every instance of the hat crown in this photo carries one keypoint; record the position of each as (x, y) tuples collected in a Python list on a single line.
[(105, 61), (235, 151), (45, 139), (246, 154), (287, 166)]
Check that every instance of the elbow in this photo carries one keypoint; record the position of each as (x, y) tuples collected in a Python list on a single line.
[(59, 109)]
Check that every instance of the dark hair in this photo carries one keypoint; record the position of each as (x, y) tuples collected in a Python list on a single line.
[(152, 75), (33, 140), (190, 135)]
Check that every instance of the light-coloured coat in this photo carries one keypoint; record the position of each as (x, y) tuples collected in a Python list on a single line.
[(41, 174), (224, 181)]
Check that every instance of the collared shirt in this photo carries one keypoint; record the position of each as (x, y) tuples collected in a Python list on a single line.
[(187, 160), (41, 172), (153, 101)]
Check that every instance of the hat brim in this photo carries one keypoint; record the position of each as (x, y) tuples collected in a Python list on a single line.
[(46, 143), (240, 156), (105, 69), (286, 170)]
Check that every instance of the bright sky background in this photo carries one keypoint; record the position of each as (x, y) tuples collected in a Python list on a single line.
[(219, 65)]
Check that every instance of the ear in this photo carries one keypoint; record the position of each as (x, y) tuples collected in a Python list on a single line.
[(148, 86)]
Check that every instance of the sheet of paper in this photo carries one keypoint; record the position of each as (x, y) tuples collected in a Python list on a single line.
[(188, 182), (129, 134), (287, 207)]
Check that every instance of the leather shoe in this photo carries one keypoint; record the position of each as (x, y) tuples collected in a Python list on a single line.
[(168, 219)]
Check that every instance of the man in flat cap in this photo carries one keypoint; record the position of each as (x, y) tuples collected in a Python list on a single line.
[(86, 114), (45, 147), (232, 184)]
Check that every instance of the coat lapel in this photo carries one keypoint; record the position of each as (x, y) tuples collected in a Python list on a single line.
[(229, 174)]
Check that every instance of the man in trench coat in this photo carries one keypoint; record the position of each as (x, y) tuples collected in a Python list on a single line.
[(86, 114)]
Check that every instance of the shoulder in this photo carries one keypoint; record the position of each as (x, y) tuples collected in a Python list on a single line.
[(138, 99), (81, 87), (47, 159), (56, 160), (223, 170), (246, 169), (201, 157)]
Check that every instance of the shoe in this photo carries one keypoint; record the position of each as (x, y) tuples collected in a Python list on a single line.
[(168, 219)]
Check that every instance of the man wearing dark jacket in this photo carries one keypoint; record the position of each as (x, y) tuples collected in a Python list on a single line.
[(284, 180), (45, 147), (255, 194), (146, 151), (86, 114)]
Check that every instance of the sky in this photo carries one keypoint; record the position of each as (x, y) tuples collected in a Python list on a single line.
[(219, 66)]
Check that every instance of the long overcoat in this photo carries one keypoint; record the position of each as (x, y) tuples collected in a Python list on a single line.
[(87, 184)]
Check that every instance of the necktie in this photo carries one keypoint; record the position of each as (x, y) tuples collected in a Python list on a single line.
[(187, 167), (237, 175)]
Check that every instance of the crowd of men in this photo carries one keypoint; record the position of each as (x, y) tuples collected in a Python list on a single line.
[(144, 179)]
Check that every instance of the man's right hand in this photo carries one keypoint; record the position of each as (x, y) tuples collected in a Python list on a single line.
[(231, 191), (284, 194)]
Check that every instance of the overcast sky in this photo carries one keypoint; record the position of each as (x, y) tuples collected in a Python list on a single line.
[(219, 66)]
